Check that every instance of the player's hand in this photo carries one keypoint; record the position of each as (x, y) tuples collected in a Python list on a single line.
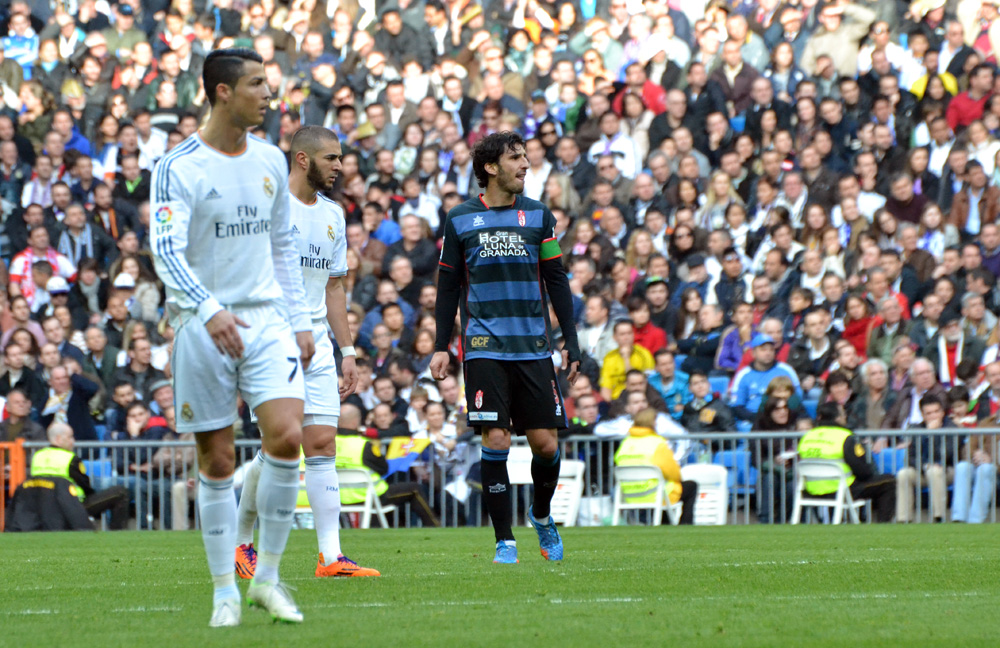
[(573, 367), (349, 368), (223, 327), (439, 365), (307, 347)]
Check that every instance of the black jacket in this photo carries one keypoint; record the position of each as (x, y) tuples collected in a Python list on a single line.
[(799, 360), (78, 410), (47, 504)]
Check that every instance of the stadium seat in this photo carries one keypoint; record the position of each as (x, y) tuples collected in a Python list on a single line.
[(713, 492), (742, 476), (823, 470), (810, 406), (719, 384), (891, 461), (679, 360), (358, 478), (644, 474), (98, 468)]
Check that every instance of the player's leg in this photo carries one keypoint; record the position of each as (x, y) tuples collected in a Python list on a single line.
[(205, 398), (487, 389), (217, 509), (539, 413), (496, 491), (246, 517), (319, 442)]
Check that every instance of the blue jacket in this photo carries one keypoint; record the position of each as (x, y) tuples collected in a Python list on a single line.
[(750, 384), (676, 394)]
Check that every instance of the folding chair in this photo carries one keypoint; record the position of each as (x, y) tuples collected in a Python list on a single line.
[(824, 470), (643, 474), (359, 478)]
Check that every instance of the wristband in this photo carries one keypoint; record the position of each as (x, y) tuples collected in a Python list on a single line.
[(348, 352)]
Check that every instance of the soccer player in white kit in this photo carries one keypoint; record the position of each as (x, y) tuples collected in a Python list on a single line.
[(319, 229), (223, 245)]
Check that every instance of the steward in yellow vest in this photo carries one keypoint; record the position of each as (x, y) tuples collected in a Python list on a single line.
[(644, 447), (358, 452), (58, 461), (831, 440)]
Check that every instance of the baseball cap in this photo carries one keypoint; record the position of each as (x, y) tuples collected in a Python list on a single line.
[(695, 260), (324, 59), (124, 280), (366, 129), (760, 340), (158, 384), (655, 279), (57, 286), (124, 9)]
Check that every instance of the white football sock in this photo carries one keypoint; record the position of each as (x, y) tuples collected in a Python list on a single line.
[(247, 512), (323, 488), (277, 491), (217, 508)]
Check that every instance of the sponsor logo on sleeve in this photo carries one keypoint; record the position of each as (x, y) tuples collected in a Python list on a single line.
[(520, 217)]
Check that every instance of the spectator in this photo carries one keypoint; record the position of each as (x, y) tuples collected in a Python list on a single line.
[(22, 379), (702, 346), (872, 403), (928, 456), (750, 383), (69, 395), (950, 346), (617, 363)]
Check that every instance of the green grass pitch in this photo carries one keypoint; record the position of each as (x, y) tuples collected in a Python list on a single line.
[(813, 585)]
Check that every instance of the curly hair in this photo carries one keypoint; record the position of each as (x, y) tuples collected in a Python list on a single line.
[(489, 150)]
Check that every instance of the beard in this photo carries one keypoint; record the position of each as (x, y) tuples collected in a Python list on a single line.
[(317, 181)]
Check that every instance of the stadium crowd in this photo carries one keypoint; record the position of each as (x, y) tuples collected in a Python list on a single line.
[(761, 205)]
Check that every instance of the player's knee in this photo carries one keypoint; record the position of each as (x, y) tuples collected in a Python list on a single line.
[(319, 442), (284, 442), (545, 449), (219, 463), (496, 439)]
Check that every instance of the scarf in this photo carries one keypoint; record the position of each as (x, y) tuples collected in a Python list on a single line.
[(90, 293), (944, 370), (57, 405), (77, 247)]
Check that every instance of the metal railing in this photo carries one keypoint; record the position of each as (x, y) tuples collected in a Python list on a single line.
[(160, 475)]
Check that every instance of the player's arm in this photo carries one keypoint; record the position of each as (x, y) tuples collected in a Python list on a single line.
[(557, 286), (336, 316), (170, 218), (288, 272), (448, 294)]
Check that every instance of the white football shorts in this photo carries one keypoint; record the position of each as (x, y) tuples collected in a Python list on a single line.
[(322, 384), (206, 381)]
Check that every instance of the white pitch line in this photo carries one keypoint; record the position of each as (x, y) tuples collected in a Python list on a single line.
[(595, 601)]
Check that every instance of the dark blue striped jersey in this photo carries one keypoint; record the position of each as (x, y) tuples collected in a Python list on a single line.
[(497, 252)]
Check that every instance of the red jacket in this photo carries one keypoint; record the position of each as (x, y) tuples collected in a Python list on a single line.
[(653, 95), (651, 337), (963, 110)]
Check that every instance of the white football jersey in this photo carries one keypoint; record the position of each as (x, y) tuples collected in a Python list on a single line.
[(320, 233), (220, 231)]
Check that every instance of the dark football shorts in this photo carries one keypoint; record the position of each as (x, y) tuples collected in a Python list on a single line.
[(516, 395)]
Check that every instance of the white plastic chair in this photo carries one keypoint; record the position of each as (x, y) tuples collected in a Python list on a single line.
[(713, 492), (565, 507), (566, 500), (824, 470), (643, 474), (358, 478)]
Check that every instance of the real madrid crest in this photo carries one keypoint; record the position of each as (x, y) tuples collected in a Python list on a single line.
[(268, 187), (329, 232)]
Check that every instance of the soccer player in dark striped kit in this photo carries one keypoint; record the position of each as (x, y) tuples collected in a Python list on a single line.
[(501, 263)]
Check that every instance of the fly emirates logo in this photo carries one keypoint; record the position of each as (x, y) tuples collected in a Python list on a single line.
[(502, 244), (247, 225), (314, 261)]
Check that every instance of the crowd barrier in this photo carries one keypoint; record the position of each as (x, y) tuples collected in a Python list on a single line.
[(760, 467)]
